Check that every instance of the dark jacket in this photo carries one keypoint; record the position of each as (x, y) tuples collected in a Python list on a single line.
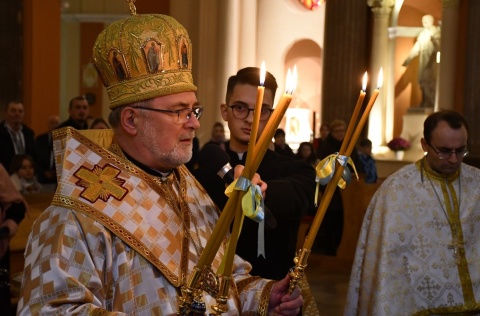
[(44, 149), (287, 151), (331, 230), (290, 192), (73, 124), (7, 149)]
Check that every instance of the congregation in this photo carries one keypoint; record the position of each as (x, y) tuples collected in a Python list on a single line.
[(29, 159)]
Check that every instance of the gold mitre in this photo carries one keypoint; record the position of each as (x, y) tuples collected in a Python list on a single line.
[(143, 57)]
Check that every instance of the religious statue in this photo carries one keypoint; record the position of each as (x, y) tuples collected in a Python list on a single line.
[(426, 48)]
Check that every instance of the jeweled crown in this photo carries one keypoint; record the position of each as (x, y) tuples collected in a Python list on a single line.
[(143, 57)]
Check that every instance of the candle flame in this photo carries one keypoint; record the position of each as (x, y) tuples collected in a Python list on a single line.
[(295, 78), (263, 72), (292, 78), (438, 57), (364, 82), (380, 78)]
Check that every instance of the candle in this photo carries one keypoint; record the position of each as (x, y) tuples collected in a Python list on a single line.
[(256, 118), (356, 111), (276, 117), (364, 117), (331, 186), (219, 231)]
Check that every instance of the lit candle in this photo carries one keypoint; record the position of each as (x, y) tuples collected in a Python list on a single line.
[(276, 117), (364, 117), (256, 119), (331, 186), (356, 111)]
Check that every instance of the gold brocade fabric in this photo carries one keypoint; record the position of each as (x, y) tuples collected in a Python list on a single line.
[(112, 243), (407, 260)]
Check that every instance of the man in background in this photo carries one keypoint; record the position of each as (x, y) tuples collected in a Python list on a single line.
[(15, 137), (217, 135), (78, 109)]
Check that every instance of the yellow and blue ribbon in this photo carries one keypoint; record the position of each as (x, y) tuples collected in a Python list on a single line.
[(326, 169), (252, 207)]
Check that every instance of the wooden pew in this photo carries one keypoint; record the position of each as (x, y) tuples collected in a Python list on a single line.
[(356, 197)]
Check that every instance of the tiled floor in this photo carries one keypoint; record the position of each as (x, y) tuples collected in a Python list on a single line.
[(328, 284)]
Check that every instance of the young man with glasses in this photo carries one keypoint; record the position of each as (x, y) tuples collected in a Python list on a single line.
[(418, 251), (291, 183), (128, 221)]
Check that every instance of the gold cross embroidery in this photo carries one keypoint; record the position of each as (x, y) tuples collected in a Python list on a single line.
[(100, 183)]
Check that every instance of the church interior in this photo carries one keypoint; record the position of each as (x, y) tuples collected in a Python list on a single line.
[(47, 46)]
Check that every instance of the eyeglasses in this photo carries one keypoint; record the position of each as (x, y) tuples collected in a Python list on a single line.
[(241, 112), (183, 115), (445, 154)]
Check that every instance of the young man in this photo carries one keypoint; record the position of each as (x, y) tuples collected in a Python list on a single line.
[(291, 183), (418, 251), (129, 222)]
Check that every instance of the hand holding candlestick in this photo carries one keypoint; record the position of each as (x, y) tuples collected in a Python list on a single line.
[(301, 260)]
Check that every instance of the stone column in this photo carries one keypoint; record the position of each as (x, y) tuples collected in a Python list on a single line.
[(389, 86), (448, 49), (381, 14), (345, 57)]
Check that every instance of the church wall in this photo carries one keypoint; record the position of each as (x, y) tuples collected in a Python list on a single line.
[(288, 33)]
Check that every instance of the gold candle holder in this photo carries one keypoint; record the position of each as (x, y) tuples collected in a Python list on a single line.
[(222, 299)]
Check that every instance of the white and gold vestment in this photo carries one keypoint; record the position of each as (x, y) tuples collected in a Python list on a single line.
[(119, 241), (419, 252)]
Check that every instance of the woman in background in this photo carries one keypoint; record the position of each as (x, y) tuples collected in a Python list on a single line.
[(306, 152), (23, 176)]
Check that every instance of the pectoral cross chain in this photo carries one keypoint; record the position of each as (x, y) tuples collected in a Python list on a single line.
[(456, 246)]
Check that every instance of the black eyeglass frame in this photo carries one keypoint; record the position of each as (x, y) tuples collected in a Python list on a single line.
[(447, 154), (196, 110), (250, 110)]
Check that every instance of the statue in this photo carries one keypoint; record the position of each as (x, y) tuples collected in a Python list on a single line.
[(426, 48)]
